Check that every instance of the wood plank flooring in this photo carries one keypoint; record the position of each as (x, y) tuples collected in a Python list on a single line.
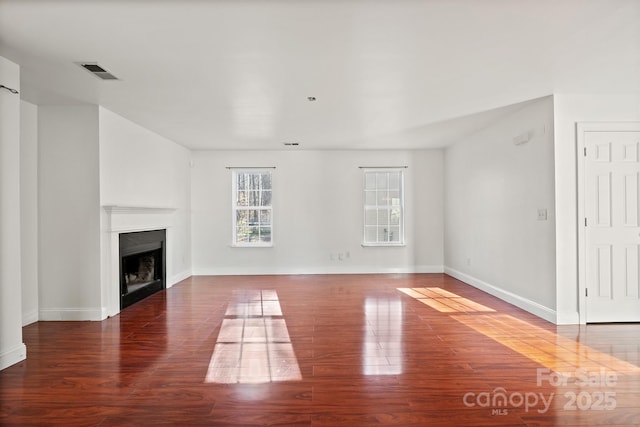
[(324, 350)]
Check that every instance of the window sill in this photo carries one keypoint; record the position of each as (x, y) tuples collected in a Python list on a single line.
[(383, 245), (251, 246)]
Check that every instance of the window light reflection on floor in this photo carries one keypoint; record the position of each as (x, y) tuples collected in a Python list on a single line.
[(444, 301), (382, 344), (544, 347), (253, 344)]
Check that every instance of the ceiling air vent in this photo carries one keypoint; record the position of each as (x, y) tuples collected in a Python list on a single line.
[(98, 71)]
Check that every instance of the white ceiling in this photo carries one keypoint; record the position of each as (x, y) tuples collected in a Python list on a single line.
[(236, 74)]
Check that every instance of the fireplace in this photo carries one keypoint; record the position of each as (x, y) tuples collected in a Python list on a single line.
[(142, 265)]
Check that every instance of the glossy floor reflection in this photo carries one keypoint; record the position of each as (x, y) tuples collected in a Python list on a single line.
[(382, 347), (253, 344), (546, 348), (444, 301), (324, 350)]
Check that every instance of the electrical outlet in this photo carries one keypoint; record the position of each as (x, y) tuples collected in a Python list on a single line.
[(542, 214)]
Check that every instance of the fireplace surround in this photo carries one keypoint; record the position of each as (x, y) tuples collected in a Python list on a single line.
[(142, 257), (118, 220)]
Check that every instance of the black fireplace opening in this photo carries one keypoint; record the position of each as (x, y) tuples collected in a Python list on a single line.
[(142, 265)]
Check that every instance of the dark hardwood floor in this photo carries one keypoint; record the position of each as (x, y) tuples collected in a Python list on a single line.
[(334, 350)]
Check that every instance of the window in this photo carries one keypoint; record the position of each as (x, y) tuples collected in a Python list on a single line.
[(383, 207), (252, 208)]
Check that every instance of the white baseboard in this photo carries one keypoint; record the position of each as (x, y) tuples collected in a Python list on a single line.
[(72, 314), (29, 317), (572, 318), (177, 278), (255, 271), (429, 269), (521, 302), (81, 314), (12, 356)]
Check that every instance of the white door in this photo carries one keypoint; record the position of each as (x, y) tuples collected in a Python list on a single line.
[(612, 233)]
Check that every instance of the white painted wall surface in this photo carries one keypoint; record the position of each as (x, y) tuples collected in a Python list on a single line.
[(317, 213), (569, 109), (29, 210), (69, 206), (493, 191), (139, 167), (12, 349), (142, 169)]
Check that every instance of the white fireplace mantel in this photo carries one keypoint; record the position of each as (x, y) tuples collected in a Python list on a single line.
[(124, 219), (137, 209)]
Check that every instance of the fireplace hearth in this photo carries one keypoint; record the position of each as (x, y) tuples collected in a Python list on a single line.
[(142, 265)]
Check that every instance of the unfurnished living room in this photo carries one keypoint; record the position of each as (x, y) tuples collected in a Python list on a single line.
[(320, 212)]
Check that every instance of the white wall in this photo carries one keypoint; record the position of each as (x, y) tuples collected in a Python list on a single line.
[(569, 109), (142, 169), (12, 350), (69, 209), (317, 213), (493, 190), (88, 157), (29, 210)]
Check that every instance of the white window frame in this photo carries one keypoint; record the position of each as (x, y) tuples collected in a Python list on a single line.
[(235, 207), (369, 207)]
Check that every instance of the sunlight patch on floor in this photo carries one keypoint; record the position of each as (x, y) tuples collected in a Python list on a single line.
[(444, 301), (253, 344), (544, 347)]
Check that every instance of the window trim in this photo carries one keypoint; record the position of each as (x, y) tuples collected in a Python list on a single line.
[(402, 241), (234, 208)]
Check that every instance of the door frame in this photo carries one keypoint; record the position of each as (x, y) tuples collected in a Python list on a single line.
[(581, 129)]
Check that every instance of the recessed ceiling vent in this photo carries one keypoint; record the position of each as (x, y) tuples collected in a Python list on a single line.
[(98, 71)]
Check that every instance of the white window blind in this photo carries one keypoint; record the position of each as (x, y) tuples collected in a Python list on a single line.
[(252, 207), (383, 207)]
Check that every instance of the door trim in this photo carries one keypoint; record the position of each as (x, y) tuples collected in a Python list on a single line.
[(581, 129)]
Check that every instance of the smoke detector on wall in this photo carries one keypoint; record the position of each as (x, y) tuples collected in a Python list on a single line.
[(97, 70)]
